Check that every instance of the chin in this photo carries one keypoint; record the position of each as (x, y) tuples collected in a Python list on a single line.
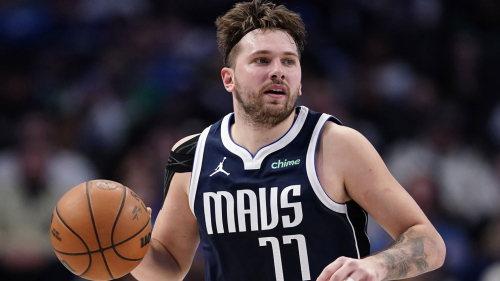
[(273, 107)]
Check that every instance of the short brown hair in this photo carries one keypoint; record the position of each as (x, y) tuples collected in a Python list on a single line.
[(247, 16)]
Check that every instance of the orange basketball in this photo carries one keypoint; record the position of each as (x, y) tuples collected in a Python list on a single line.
[(100, 230)]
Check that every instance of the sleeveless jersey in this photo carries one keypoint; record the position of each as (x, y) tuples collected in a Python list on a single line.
[(266, 216)]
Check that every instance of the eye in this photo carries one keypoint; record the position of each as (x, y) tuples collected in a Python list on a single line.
[(261, 60), (289, 61)]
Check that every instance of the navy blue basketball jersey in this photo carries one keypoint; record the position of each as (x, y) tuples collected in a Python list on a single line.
[(266, 216)]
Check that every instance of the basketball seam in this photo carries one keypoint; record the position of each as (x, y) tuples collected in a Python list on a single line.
[(107, 248), (85, 244), (114, 225), (116, 220), (133, 236), (95, 229)]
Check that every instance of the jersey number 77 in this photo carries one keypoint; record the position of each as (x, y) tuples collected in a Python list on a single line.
[(287, 239)]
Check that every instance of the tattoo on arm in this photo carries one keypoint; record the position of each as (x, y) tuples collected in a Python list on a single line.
[(405, 256)]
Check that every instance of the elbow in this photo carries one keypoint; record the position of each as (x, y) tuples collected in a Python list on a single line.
[(158, 264), (440, 248)]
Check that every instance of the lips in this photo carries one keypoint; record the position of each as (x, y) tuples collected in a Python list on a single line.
[(276, 89), (275, 92)]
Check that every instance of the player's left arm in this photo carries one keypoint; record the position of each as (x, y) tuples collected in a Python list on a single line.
[(418, 247)]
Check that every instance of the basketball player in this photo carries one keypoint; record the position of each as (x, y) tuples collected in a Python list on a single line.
[(279, 192)]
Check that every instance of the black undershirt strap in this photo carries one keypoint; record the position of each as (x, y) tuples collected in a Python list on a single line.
[(179, 161)]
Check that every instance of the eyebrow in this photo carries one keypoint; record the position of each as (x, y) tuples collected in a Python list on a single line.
[(266, 52)]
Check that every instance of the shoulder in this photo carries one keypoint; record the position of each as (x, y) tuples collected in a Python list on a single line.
[(347, 146), (186, 144), (180, 164), (333, 133), (181, 156)]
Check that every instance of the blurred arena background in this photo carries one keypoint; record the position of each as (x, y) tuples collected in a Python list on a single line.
[(103, 89)]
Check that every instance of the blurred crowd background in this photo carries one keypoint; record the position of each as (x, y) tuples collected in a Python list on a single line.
[(103, 89)]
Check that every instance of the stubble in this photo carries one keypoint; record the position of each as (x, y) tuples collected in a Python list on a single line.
[(258, 112)]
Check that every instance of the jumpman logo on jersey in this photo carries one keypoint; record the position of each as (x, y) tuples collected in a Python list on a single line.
[(220, 169)]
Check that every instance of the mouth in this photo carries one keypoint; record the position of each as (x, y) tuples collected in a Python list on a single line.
[(276, 91)]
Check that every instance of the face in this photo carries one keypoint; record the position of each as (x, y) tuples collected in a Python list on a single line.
[(265, 78)]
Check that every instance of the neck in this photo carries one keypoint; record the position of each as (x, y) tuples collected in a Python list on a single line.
[(253, 137)]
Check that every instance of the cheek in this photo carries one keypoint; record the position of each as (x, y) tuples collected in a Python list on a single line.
[(258, 74), (250, 75), (294, 78)]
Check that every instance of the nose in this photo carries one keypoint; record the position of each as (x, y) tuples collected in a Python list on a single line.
[(277, 71)]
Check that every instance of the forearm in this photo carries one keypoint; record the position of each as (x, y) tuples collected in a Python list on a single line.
[(158, 264), (418, 250)]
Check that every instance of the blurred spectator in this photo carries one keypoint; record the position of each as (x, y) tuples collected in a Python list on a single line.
[(468, 188), (33, 177)]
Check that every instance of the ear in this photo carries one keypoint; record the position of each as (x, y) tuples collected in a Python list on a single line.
[(300, 89), (228, 79)]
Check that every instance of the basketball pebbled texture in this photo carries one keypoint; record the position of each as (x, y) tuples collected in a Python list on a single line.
[(100, 230)]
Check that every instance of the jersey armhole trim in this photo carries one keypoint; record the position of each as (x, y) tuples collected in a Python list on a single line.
[(197, 163), (312, 173), (354, 234)]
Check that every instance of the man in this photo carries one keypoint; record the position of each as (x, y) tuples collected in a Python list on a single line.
[(278, 192)]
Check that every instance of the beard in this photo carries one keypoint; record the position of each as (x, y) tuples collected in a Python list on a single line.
[(261, 113)]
